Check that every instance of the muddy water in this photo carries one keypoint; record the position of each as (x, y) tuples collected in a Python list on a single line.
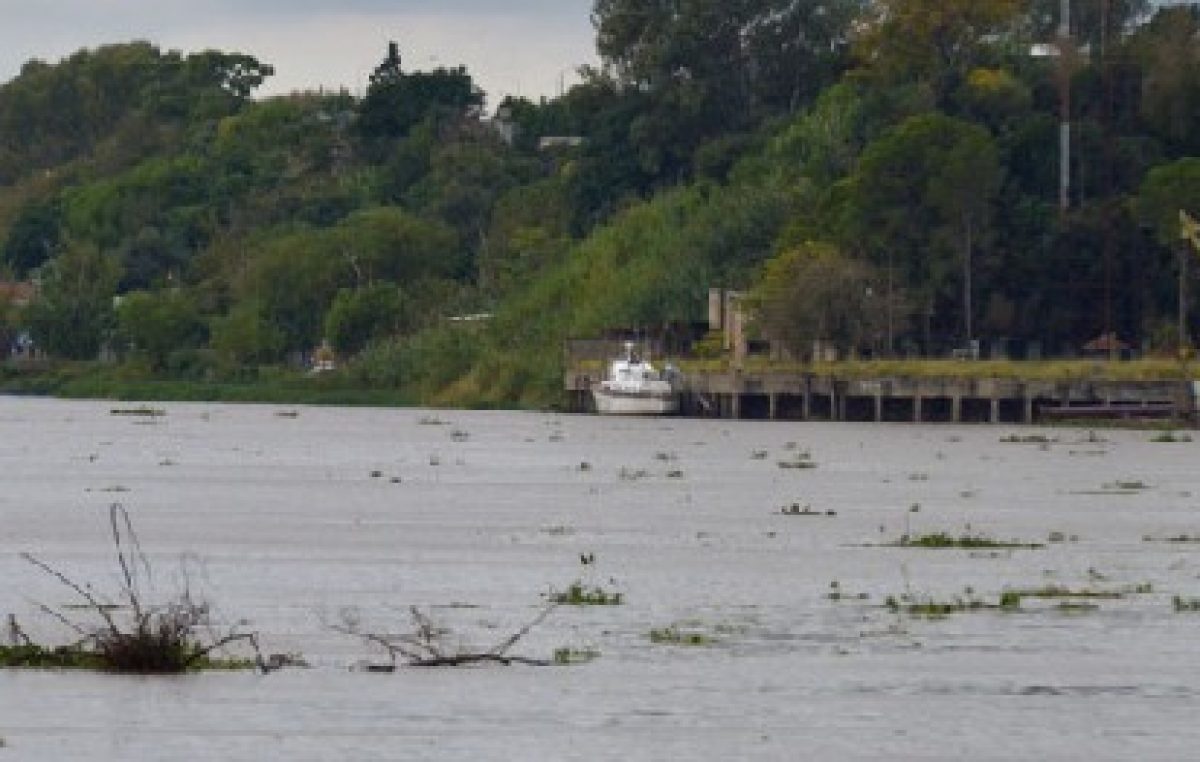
[(297, 522)]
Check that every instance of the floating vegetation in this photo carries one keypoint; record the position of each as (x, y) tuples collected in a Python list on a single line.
[(1170, 436), (795, 509), (1057, 591), (565, 656), (801, 460), (931, 609), (33, 656), (1039, 439), (944, 540), (837, 594), (1182, 605), (1010, 600), (112, 490), (148, 412), (1127, 486), (580, 595), (1118, 487), (1076, 607), (675, 636), (1181, 539), (287, 414), (1057, 538)]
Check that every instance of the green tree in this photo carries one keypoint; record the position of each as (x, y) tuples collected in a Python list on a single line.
[(1168, 50), (245, 337), (396, 102), (530, 228), (359, 316), (813, 293), (157, 324), (73, 314), (922, 203), (389, 244), (33, 237), (934, 41), (292, 280), (1166, 191)]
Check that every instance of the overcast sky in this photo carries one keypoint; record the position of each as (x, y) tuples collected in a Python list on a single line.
[(521, 47)]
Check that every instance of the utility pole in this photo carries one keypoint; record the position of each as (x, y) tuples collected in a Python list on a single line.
[(1109, 115), (1190, 234), (1066, 50)]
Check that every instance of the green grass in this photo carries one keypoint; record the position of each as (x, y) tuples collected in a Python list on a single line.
[(1047, 370), (122, 383)]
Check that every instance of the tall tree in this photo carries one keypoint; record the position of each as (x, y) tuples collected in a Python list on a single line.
[(708, 67), (1168, 49), (922, 203), (813, 293), (396, 102), (935, 41), (73, 314)]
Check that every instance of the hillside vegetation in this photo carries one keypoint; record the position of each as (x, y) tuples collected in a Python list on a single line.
[(879, 175)]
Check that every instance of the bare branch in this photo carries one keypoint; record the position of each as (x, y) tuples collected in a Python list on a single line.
[(98, 607), (511, 641)]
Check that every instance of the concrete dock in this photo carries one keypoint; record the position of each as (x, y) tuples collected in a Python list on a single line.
[(738, 394)]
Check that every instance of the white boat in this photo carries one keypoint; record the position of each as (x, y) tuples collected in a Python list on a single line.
[(635, 387)]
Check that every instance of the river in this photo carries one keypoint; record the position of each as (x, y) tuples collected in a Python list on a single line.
[(296, 520)]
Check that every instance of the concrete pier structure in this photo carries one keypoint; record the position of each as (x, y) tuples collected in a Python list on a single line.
[(740, 394)]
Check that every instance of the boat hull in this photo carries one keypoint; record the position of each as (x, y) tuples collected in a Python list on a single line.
[(635, 403)]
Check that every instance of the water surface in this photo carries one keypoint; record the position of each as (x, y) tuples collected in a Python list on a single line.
[(294, 518)]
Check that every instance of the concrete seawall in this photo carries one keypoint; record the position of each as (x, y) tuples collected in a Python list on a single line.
[(807, 396)]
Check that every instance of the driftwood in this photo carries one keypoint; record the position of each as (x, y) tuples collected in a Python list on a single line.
[(423, 647), (131, 635)]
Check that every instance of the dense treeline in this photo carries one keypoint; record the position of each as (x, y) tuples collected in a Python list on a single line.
[(882, 175)]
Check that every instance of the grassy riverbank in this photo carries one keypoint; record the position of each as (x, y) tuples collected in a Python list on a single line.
[(94, 381), (1048, 370), (282, 386)]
